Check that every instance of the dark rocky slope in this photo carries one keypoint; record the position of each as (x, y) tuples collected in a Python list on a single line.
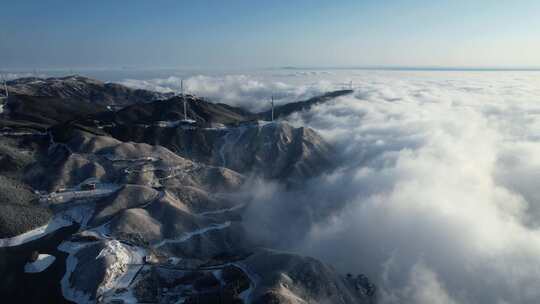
[(219, 135), (40, 113)]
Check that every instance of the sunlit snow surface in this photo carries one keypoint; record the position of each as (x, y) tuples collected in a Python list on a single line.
[(43, 262), (124, 263)]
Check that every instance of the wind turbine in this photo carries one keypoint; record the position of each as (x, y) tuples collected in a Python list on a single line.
[(6, 92), (272, 103), (3, 96), (183, 98)]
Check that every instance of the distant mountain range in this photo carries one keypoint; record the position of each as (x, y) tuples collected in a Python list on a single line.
[(82, 89)]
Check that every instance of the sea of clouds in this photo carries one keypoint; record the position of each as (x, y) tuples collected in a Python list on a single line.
[(436, 196), (250, 91)]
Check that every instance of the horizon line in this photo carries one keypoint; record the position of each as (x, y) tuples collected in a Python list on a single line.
[(285, 67)]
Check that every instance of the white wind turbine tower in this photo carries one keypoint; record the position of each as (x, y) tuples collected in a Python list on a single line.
[(4, 84), (183, 98), (272, 103), (3, 96)]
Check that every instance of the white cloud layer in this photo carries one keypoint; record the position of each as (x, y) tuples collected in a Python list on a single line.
[(436, 197), (11, 75)]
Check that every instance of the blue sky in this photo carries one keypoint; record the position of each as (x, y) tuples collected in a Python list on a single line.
[(241, 34)]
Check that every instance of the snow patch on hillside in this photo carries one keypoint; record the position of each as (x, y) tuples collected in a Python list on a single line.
[(69, 292), (43, 262), (52, 226), (189, 235)]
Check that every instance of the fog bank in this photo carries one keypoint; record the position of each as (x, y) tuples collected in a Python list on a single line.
[(435, 196)]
